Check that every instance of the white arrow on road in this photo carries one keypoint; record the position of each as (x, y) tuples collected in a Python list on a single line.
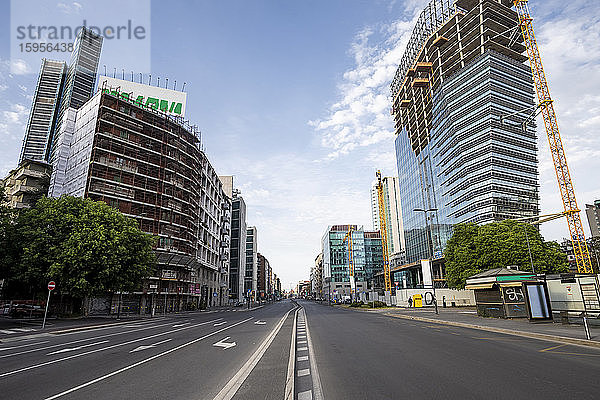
[(76, 348), (223, 344), (178, 325), (260, 322), (149, 346), (220, 323)]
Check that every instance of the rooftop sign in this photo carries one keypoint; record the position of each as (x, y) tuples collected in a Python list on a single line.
[(169, 101)]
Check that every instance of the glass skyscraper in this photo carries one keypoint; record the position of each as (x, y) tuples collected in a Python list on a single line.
[(465, 146), (43, 111)]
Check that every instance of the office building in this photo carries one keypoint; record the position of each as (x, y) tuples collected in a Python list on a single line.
[(251, 270), (263, 277), (592, 211), (78, 88), (316, 277), (150, 166), (462, 96), (26, 184), (44, 111), (393, 212), (365, 259)]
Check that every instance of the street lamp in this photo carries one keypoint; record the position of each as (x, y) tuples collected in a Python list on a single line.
[(430, 245)]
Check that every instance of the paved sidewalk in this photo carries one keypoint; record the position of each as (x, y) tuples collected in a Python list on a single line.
[(467, 317)]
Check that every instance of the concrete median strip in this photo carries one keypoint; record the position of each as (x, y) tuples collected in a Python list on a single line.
[(533, 335)]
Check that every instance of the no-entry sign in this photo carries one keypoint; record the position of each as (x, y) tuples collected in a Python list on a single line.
[(51, 285)]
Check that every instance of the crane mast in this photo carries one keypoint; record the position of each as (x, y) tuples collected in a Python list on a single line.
[(580, 249), (384, 233)]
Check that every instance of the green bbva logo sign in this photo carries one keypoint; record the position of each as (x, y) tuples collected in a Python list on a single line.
[(150, 102)]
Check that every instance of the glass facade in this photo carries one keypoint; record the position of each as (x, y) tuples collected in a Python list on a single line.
[(476, 166)]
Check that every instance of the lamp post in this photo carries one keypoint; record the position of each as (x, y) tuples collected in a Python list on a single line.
[(430, 245)]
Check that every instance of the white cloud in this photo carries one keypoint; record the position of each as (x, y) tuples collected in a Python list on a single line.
[(72, 8), (360, 117), (19, 67)]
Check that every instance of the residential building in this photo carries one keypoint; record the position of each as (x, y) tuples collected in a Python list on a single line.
[(336, 260), (150, 166), (463, 146), (237, 258), (393, 213), (251, 270), (44, 111), (77, 89), (26, 184), (263, 276), (592, 211)]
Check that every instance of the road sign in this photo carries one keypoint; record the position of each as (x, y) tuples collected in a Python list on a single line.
[(51, 285)]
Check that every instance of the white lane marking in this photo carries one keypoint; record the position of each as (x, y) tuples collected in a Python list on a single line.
[(24, 345), (76, 348), (222, 343), (23, 329), (307, 395), (301, 341), (231, 388), (302, 348), (303, 358), (149, 346), (289, 381), (220, 323), (6, 332), (16, 371), (317, 388), (260, 322), (178, 325), (303, 372), (145, 360), (88, 339), (301, 336)]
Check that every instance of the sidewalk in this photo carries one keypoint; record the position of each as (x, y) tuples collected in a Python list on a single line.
[(467, 317)]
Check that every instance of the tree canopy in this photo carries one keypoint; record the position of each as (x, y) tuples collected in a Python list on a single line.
[(476, 248), (87, 247)]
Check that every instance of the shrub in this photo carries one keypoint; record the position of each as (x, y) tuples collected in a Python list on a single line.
[(356, 304)]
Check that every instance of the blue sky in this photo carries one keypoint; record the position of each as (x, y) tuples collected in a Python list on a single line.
[(292, 99)]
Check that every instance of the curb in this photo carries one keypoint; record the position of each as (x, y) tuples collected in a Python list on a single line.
[(541, 336)]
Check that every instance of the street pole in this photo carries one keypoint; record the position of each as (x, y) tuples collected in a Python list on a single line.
[(529, 249), (119, 307), (46, 313)]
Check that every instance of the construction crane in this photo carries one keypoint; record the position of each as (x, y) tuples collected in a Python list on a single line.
[(348, 238), (384, 233), (582, 256)]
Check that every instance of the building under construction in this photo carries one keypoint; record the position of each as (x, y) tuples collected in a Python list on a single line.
[(461, 99), (151, 167)]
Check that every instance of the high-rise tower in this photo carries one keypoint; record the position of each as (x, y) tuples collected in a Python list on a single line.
[(78, 88), (462, 96), (43, 110)]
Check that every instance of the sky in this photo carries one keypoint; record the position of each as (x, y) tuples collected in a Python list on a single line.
[(292, 98)]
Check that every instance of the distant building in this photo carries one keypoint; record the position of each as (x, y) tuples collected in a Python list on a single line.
[(44, 111), (316, 277), (26, 184), (336, 260), (263, 277), (592, 212), (393, 212), (237, 259), (251, 270)]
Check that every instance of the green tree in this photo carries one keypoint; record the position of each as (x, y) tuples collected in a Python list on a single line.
[(87, 247), (476, 248)]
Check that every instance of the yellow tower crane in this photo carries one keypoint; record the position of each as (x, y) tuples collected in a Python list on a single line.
[(384, 233), (582, 256)]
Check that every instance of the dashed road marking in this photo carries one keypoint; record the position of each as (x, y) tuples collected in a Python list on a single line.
[(304, 348), (302, 358), (306, 395), (303, 372)]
